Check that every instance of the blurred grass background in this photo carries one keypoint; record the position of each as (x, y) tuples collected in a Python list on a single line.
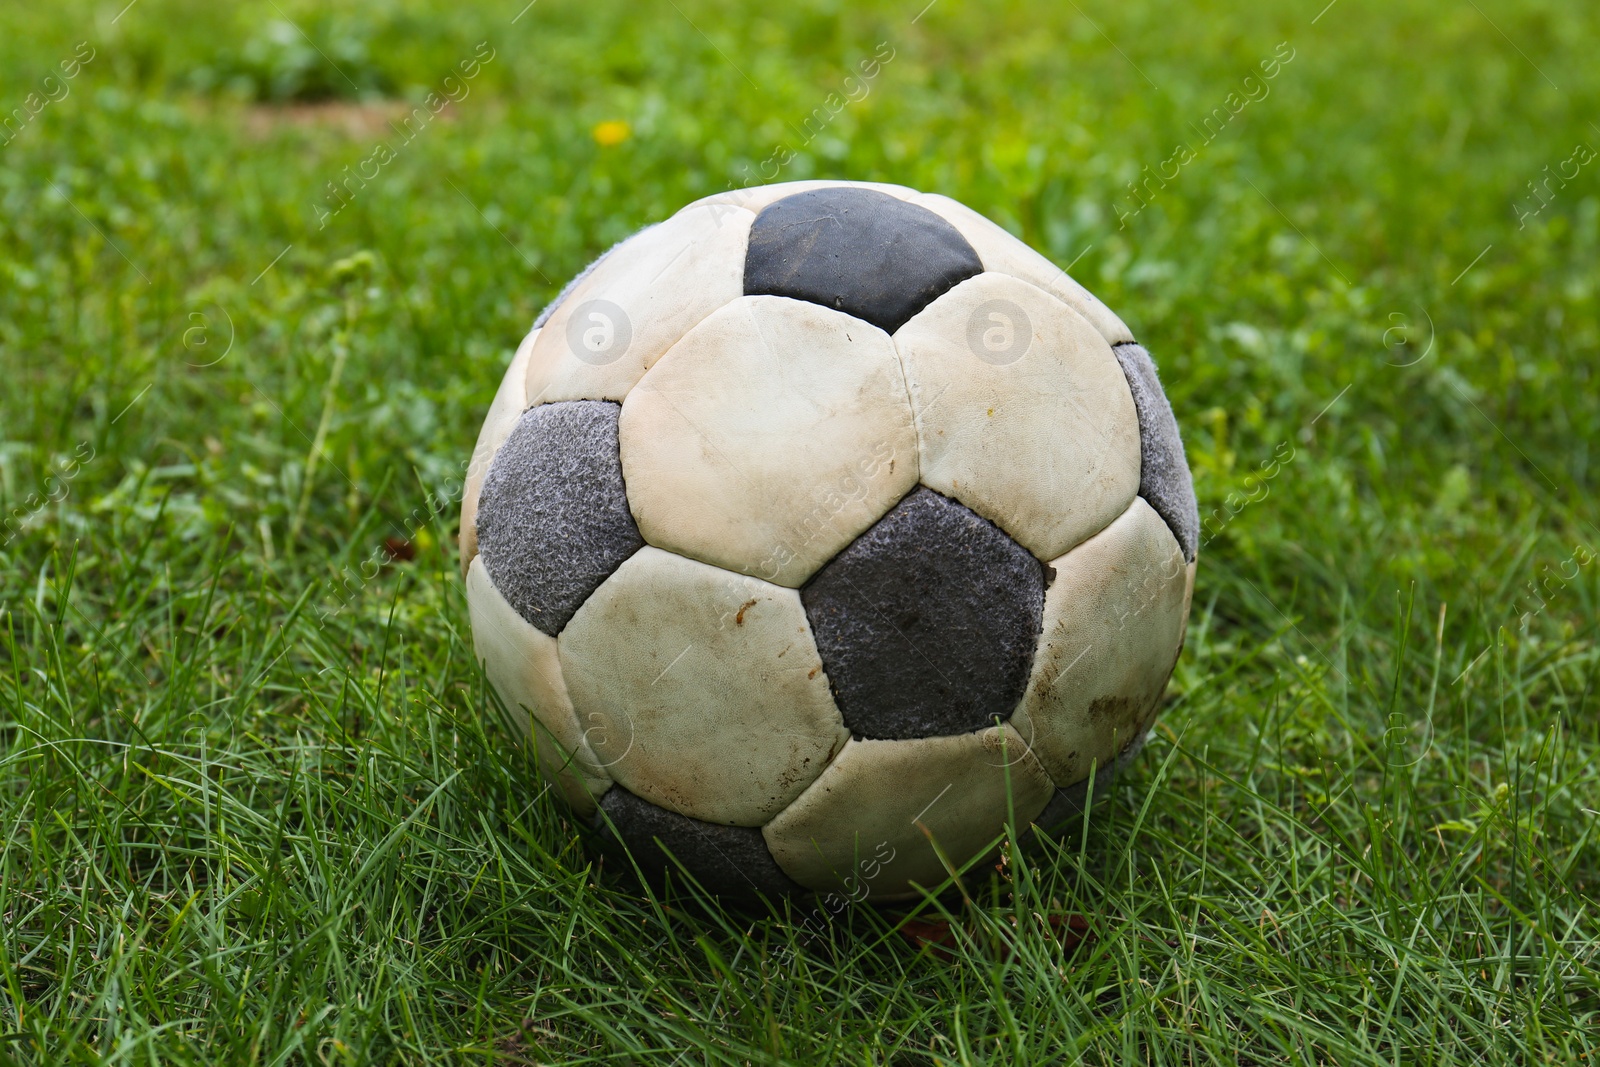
[(250, 811)]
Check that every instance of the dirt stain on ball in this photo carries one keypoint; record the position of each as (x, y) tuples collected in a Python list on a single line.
[(1112, 708)]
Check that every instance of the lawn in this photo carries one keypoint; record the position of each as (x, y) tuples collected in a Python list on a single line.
[(253, 804)]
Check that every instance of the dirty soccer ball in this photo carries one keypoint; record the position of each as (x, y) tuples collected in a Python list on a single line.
[(821, 522)]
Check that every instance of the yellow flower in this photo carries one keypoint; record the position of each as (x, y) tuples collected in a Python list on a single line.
[(611, 132)]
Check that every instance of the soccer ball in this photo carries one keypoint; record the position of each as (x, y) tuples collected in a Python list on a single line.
[(823, 530)]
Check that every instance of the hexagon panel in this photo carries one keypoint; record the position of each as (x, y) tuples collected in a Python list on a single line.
[(523, 667), (701, 690), (1023, 412), (636, 302), (863, 828), (767, 438), (1069, 805), (1113, 627), (1004, 254)]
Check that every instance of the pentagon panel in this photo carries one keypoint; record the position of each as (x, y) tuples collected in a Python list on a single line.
[(506, 408), (635, 302), (553, 519), (856, 250), (523, 668), (701, 689), (771, 435), (731, 862), (1164, 479), (1023, 413), (1113, 624), (860, 827), (927, 622)]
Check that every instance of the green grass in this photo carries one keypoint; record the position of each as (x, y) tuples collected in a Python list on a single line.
[(249, 808)]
